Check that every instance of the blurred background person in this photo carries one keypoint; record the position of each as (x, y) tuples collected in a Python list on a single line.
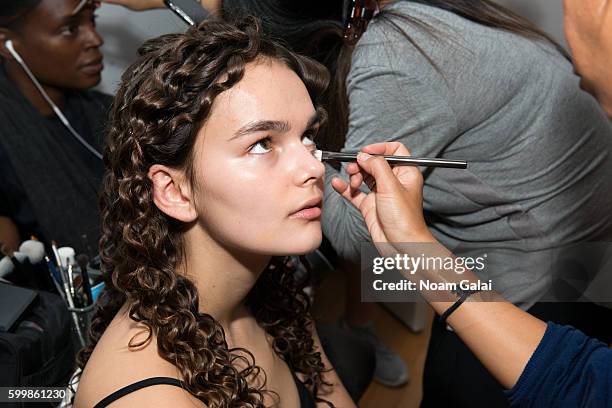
[(50, 166)]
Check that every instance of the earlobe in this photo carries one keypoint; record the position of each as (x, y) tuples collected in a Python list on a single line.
[(171, 194)]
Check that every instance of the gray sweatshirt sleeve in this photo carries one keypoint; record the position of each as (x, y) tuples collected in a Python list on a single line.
[(387, 102)]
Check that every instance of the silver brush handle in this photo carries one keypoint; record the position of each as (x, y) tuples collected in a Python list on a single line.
[(398, 160)]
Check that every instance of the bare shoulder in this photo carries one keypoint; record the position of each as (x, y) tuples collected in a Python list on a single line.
[(113, 365)]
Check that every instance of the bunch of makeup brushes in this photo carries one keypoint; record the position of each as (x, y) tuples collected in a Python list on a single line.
[(65, 271)]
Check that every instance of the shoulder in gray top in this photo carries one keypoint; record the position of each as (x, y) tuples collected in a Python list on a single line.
[(540, 169)]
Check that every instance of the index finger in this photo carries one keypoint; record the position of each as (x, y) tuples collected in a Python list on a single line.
[(387, 148)]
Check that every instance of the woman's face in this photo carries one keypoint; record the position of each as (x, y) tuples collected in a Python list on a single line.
[(61, 48), (258, 187)]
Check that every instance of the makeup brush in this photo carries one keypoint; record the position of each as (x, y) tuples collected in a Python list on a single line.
[(83, 260), (324, 156)]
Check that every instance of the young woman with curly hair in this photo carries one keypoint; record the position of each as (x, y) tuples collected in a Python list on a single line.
[(210, 183)]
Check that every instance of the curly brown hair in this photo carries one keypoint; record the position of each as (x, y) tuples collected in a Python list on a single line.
[(162, 102)]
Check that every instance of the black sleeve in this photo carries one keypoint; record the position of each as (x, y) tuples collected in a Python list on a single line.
[(6, 174), (14, 202)]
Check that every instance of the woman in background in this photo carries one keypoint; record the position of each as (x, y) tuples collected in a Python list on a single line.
[(49, 180)]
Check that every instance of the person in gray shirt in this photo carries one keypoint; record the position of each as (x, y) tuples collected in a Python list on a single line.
[(537, 146)]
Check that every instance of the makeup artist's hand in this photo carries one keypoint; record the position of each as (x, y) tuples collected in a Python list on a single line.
[(393, 210), (137, 5)]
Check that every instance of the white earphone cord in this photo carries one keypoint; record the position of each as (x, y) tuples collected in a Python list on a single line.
[(58, 112)]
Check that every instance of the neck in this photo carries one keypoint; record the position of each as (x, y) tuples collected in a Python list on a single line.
[(222, 276), (22, 81)]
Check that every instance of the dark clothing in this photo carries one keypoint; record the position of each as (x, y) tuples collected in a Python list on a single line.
[(353, 358), (306, 398), (49, 181), (568, 369), (453, 375)]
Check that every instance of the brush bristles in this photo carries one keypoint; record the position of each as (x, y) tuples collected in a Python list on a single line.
[(318, 154)]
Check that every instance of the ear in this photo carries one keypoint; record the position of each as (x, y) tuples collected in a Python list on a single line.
[(171, 193), (5, 35)]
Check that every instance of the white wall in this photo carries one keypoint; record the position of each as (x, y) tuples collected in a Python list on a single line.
[(124, 31), (548, 14)]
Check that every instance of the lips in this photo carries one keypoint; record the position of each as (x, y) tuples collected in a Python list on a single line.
[(93, 67), (310, 209)]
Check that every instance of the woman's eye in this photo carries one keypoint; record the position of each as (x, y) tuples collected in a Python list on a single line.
[(261, 147), (70, 30), (307, 140)]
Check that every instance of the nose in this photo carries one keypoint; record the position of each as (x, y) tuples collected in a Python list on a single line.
[(92, 38), (308, 169)]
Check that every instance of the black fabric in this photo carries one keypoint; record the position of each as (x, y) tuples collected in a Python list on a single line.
[(49, 182), (14, 203), (39, 352), (306, 399), (453, 376), (353, 358)]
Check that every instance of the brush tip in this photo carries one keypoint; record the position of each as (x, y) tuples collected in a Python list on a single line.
[(318, 154)]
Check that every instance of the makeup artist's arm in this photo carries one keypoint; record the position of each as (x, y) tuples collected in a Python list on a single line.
[(503, 337), (393, 214)]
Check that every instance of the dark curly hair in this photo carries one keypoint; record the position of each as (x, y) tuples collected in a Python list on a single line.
[(162, 102)]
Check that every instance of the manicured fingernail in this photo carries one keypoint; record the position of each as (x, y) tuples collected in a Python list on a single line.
[(363, 156)]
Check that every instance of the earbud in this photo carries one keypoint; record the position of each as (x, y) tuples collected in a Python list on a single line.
[(9, 46)]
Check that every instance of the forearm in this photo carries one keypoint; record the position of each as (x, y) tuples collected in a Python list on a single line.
[(501, 335)]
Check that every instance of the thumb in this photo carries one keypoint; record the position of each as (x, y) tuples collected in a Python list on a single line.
[(377, 167)]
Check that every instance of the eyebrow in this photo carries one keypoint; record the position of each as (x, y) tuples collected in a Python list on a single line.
[(272, 125)]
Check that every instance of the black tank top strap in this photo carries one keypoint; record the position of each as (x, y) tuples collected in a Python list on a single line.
[(306, 398), (137, 386)]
